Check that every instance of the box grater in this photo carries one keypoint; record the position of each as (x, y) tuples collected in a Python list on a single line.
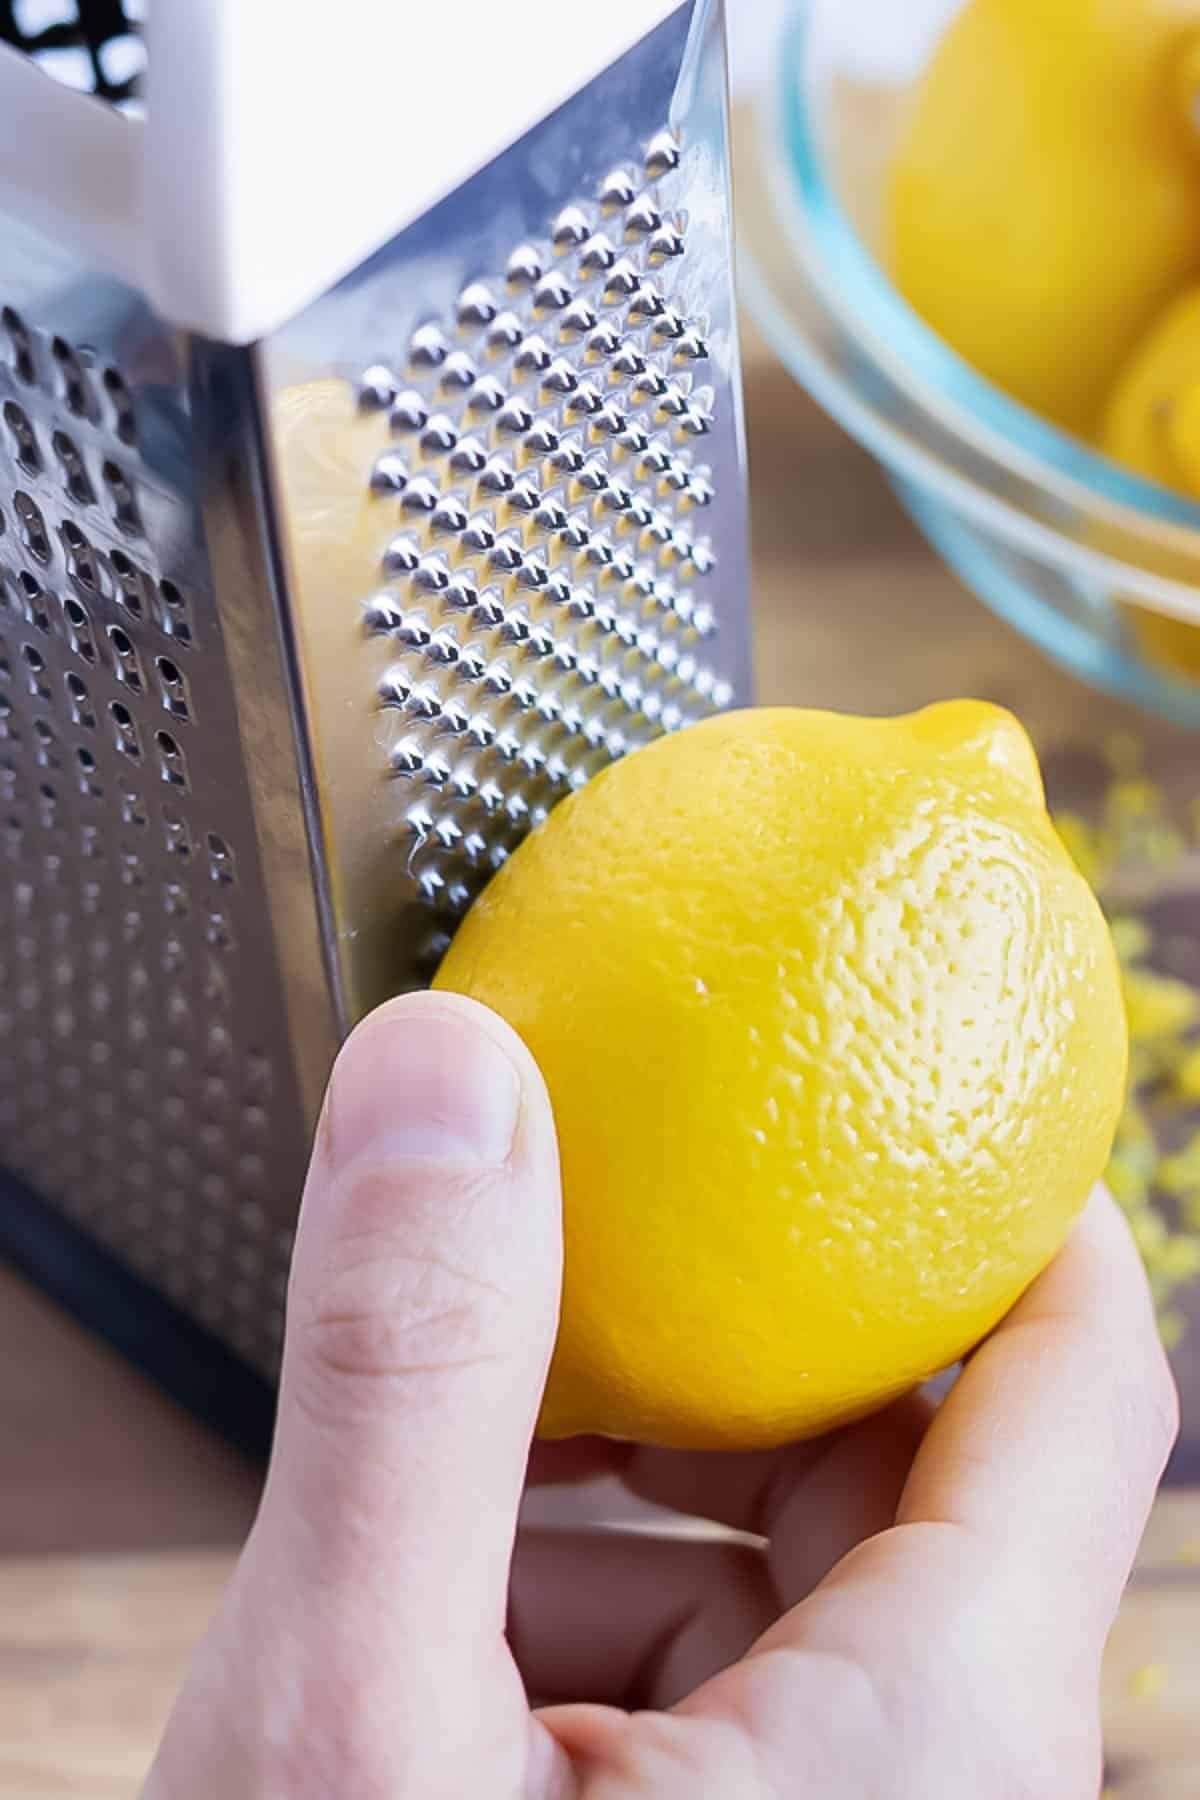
[(372, 474)]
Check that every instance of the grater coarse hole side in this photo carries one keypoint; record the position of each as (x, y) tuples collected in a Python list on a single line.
[(138, 1093)]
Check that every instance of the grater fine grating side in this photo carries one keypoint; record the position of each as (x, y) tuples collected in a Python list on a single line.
[(298, 639)]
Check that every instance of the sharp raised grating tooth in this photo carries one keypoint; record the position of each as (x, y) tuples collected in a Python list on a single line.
[(409, 412), (568, 457), (415, 629), (449, 515), (647, 303), (552, 294), (642, 218), (526, 266), (664, 245), (504, 333), (444, 646), (377, 387), (598, 253), (487, 396), (618, 189), (533, 356), (458, 372), (559, 377), (420, 496), (570, 228), (428, 347), (604, 343), (610, 420), (425, 701), (439, 436), (577, 320), (514, 418), (497, 476), (390, 473), (432, 574), (469, 457), (691, 347), (551, 516), (542, 440), (489, 611), (402, 555), (477, 306), (382, 613), (593, 474), (525, 497), (662, 154), (507, 552)]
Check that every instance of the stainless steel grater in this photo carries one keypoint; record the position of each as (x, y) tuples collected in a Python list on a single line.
[(315, 602)]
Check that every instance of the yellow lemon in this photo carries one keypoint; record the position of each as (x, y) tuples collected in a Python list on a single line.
[(1152, 426), (1043, 199), (832, 1027)]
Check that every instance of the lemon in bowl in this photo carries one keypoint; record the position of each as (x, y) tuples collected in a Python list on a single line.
[(959, 220)]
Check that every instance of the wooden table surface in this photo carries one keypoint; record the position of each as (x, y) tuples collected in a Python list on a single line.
[(119, 1517)]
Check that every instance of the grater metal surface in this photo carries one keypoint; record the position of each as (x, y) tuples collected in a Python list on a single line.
[(298, 641), (543, 563), (146, 1081)]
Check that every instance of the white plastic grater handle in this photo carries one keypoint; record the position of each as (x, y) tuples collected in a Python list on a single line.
[(277, 152), (70, 166)]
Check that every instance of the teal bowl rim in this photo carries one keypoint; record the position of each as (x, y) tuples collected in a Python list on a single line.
[(864, 289)]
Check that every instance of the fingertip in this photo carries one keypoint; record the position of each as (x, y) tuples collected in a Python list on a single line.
[(438, 1066)]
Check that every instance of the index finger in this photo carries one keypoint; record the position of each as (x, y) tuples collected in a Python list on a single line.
[(1050, 1447)]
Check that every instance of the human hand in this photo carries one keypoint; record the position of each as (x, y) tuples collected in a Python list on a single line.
[(920, 1615)]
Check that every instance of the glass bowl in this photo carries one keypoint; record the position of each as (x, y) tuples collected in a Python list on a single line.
[(1091, 563)]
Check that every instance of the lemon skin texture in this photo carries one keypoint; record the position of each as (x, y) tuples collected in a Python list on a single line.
[(833, 1033)]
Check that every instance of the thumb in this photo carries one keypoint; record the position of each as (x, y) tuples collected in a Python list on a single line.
[(421, 1315), (422, 1309)]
